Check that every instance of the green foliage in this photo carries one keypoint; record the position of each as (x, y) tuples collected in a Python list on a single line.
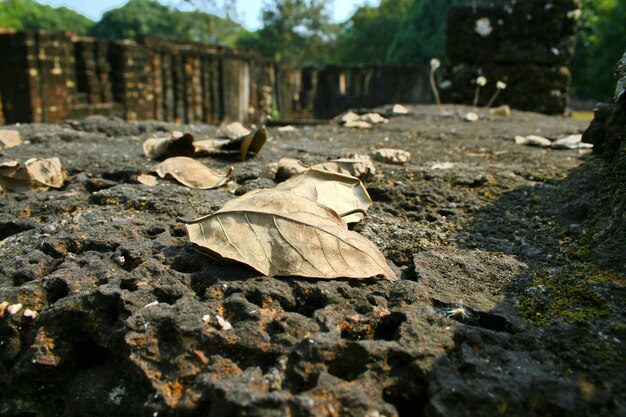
[(601, 43), (368, 34), (207, 28), (137, 17), (422, 35), (295, 32), (30, 15)]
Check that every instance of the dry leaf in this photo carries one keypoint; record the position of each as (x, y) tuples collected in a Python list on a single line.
[(357, 124), (349, 117), (190, 173), (35, 175), (391, 156), (533, 140), (235, 130), (571, 142), (252, 143), (359, 166), (176, 145), (147, 179), (398, 110), (471, 117), (9, 139), (280, 234), (342, 193), (287, 168), (503, 111), (373, 118)]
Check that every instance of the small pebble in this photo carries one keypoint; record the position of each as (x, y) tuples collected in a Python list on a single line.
[(223, 323), (30, 313), (14, 308)]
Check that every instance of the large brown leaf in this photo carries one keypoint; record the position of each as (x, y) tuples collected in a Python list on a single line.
[(342, 193), (34, 175), (191, 173), (280, 234)]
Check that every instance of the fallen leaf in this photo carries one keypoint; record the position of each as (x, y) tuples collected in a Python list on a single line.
[(503, 110), (533, 140), (359, 166), (9, 139), (35, 175), (177, 144), (191, 173), (288, 128), (357, 124), (571, 142), (342, 193), (147, 179), (349, 117), (280, 234), (471, 117), (252, 143), (442, 166), (287, 168), (235, 130), (391, 156), (399, 110), (373, 118)]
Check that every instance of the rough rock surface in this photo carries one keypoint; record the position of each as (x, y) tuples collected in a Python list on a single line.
[(501, 309)]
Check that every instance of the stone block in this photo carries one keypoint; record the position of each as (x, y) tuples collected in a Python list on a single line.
[(528, 87), (531, 31)]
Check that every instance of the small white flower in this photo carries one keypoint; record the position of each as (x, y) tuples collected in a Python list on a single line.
[(481, 81), (435, 63), (501, 85)]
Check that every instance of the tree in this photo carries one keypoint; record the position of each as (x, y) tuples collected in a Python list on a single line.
[(601, 43), (422, 35), (295, 32), (207, 28), (137, 17), (367, 36), (30, 15)]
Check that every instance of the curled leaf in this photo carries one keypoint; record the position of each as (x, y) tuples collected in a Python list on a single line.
[(146, 179), (34, 175), (391, 156), (280, 234), (177, 145), (288, 167), (359, 166), (235, 130), (252, 143), (342, 193), (191, 173)]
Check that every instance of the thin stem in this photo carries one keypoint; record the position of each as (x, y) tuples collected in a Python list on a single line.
[(476, 95), (433, 85), (493, 98), (357, 210)]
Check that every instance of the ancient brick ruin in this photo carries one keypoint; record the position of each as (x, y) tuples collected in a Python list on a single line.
[(526, 44), (47, 77)]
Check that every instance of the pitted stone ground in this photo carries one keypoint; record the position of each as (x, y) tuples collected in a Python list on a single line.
[(499, 310)]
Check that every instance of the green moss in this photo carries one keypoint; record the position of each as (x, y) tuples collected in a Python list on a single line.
[(570, 295)]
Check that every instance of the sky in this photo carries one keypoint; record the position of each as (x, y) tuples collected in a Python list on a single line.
[(249, 11)]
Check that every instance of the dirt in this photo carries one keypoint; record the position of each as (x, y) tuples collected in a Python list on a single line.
[(503, 307)]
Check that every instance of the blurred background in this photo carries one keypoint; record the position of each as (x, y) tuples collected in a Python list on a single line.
[(300, 33)]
